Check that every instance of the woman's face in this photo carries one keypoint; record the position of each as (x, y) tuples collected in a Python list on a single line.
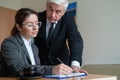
[(29, 27)]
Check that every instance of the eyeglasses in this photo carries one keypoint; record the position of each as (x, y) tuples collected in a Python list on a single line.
[(31, 24)]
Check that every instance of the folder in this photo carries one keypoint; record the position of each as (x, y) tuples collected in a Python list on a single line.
[(65, 76)]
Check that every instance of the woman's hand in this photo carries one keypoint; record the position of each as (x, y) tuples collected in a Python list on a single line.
[(62, 69)]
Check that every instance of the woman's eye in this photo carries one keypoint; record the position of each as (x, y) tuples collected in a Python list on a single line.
[(30, 25)]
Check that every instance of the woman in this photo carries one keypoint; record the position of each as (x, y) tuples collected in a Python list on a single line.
[(20, 55)]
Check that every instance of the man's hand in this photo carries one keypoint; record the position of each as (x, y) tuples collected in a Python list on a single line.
[(77, 69)]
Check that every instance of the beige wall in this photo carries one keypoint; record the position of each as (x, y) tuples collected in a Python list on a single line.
[(6, 22), (98, 21)]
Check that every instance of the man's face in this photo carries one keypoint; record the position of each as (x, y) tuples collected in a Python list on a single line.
[(54, 12)]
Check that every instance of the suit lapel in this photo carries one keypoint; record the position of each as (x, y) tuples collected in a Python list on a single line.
[(35, 54), (57, 29), (26, 52), (23, 46), (42, 29)]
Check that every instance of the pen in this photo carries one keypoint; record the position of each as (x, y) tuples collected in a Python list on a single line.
[(63, 63), (59, 60)]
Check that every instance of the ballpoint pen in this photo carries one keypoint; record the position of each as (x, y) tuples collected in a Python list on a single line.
[(63, 63), (59, 60)]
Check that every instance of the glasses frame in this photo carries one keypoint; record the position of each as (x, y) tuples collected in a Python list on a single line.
[(32, 25)]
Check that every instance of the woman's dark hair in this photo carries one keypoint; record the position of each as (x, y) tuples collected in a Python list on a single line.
[(20, 16)]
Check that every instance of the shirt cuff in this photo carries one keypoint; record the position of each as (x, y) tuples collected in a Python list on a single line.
[(75, 63)]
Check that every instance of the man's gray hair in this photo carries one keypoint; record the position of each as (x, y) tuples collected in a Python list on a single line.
[(63, 3)]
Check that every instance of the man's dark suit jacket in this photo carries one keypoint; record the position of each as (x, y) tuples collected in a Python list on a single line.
[(16, 60), (65, 32)]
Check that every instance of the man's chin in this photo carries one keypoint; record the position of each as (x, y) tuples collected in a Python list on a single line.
[(34, 35), (52, 21)]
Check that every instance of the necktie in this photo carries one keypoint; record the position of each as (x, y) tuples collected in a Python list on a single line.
[(50, 34)]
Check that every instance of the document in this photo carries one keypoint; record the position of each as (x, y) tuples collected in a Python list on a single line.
[(65, 76)]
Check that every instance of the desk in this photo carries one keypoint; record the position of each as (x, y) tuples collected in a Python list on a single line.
[(89, 77), (99, 77)]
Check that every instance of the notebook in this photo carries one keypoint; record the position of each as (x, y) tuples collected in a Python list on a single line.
[(65, 76)]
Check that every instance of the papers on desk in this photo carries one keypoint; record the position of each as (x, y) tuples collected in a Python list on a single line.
[(65, 76)]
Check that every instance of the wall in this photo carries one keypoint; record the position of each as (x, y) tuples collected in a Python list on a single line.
[(38, 5), (6, 22), (98, 22), (12, 4)]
